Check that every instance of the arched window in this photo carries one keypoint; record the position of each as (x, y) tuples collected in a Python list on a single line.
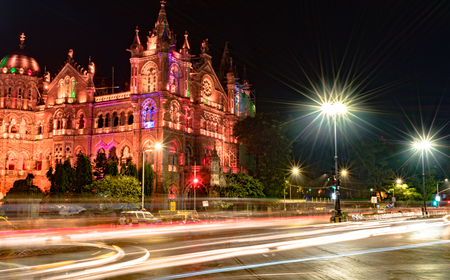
[(173, 157), (112, 152), (29, 94), (81, 121), (10, 163), (19, 93), (72, 94), (20, 164), (173, 79), (107, 120), (122, 118), (39, 162), (9, 92), (100, 121), (151, 80), (130, 119), (69, 122), (58, 124), (61, 89), (115, 119), (67, 87), (50, 125), (14, 129)]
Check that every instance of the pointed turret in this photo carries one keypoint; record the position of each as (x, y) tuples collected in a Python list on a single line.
[(186, 48), (136, 47), (224, 64)]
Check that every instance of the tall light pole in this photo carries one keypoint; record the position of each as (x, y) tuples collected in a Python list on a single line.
[(423, 145), (158, 146), (334, 109), (295, 171)]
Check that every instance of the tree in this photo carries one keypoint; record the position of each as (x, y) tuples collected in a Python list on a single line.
[(68, 177), (372, 165), (57, 179), (244, 185), (116, 189), (83, 172), (112, 168), (403, 192), (267, 138), (100, 165), (129, 169), (149, 178), (51, 177)]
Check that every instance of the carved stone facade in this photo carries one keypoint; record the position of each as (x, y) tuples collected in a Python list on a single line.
[(171, 101)]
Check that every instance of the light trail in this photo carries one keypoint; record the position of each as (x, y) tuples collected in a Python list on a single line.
[(218, 254), (325, 257)]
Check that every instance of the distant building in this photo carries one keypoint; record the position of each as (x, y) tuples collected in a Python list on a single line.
[(173, 99)]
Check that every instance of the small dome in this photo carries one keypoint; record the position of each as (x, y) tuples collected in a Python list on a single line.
[(20, 59)]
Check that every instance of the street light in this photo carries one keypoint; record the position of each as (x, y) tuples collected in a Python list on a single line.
[(423, 145), (334, 109), (295, 171), (158, 146)]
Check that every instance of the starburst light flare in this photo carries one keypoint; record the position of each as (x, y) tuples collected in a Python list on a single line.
[(422, 145)]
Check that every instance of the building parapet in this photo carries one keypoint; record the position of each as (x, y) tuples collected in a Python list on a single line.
[(115, 96)]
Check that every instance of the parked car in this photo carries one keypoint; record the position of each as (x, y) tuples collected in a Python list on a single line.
[(137, 217), (184, 219)]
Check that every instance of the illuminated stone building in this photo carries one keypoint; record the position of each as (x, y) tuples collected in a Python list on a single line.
[(173, 99)]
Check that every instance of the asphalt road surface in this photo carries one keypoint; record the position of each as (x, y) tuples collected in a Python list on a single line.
[(246, 249)]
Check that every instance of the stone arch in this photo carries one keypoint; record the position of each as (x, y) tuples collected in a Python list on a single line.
[(149, 73), (174, 78), (79, 149), (98, 146), (81, 119), (149, 111), (11, 157)]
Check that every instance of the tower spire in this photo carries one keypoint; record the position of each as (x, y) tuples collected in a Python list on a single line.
[(186, 42), (22, 41), (136, 47)]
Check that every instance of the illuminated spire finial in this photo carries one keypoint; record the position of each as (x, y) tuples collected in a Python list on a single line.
[(137, 29), (186, 42), (22, 41), (163, 3)]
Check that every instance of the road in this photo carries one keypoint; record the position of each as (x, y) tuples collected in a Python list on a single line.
[(247, 249)]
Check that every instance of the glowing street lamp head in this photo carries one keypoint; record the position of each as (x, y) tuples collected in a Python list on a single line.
[(333, 109), (399, 181), (158, 146), (423, 145), (344, 172), (295, 170)]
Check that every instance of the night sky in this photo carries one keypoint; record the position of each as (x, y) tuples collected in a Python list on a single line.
[(395, 55)]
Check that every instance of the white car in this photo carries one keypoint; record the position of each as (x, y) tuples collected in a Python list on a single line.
[(137, 217)]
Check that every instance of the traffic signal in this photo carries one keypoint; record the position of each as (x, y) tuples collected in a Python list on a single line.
[(334, 182), (435, 203), (195, 182)]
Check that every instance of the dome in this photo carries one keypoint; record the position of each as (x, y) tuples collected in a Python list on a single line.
[(20, 59)]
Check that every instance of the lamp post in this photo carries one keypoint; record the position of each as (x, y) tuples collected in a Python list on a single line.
[(158, 146), (423, 145), (333, 109), (295, 171)]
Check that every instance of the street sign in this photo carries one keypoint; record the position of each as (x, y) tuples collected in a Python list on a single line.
[(205, 203), (373, 199), (173, 206)]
